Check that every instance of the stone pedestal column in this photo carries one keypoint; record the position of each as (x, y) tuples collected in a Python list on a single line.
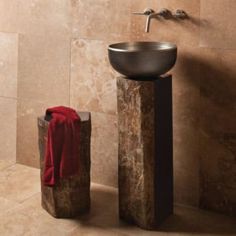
[(145, 150), (70, 197)]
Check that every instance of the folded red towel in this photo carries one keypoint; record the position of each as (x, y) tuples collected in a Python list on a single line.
[(62, 151)]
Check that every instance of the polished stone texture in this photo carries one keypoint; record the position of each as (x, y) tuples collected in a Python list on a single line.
[(71, 196), (218, 176), (43, 77), (95, 88), (145, 150), (186, 93), (8, 129), (26, 217), (8, 64), (213, 14), (8, 93), (62, 45), (107, 20), (18, 182), (204, 98), (218, 131), (27, 132)]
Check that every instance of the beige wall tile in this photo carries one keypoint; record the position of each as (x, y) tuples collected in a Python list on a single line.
[(8, 16), (44, 67), (186, 103), (93, 82), (219, 30), (44, 17), (180, 32), (27, 130), (218, 131), (104, 151), (8, 64), (8, 129), (186, 93), (203, 84), (186, 164), (44, 50), (102, 19), (218, 169), (186, 141)]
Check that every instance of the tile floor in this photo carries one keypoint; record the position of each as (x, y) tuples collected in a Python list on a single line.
[(21, 212)]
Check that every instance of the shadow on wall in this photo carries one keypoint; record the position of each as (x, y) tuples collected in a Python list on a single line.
[(217, 84), (196, 222), (216, 114)]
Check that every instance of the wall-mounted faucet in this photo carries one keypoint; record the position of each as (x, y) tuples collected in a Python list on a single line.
[(180, 14), (164, 13)]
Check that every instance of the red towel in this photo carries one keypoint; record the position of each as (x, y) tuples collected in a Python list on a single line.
[(62, 151)]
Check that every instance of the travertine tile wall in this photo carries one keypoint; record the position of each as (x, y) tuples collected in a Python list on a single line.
[(41, 75), (43, 68), (62, 59), (218, 29), (204, 88), (93, 88), (186, 94), (8, 95)]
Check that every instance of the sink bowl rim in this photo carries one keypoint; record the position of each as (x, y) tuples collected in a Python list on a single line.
[(168, 46)]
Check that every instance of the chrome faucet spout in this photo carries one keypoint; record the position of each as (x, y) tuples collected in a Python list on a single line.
[(164, 13), (148, 22)]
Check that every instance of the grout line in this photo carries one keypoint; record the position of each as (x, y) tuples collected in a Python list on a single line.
[(7, 167), (88, 39), (70, 67), (27, 166), (111, 188), (185, 206), (5, 212), (8, 32), (28, 198), (19, 204), (11, 98)]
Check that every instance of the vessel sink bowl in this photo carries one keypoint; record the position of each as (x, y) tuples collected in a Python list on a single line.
[(142, 60)]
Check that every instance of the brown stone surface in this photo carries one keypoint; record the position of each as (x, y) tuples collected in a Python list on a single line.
[(145, 151), (218, 131), (213, 14), (204, 98), (28, 218), (218, 175), (62, 38), (186, 93), (71, 196)]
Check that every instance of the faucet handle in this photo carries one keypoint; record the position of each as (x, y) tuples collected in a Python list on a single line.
[(146, 12), (165, 13), (181, 14)]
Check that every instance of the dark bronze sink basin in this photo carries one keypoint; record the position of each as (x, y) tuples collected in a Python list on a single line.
[(146, 60)]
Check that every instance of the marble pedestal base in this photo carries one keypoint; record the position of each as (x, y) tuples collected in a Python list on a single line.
[(70, 197), (145, 151)]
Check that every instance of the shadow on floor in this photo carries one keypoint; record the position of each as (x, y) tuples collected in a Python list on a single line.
[(104, 214), (196, 221)]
